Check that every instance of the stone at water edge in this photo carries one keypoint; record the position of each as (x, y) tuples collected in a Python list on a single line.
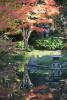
[(32, 65), (32, 61)]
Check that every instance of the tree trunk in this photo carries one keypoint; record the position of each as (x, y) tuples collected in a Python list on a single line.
[(26, 44), (26, 35), (26, 82)]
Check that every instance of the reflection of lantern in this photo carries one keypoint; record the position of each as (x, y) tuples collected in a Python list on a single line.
[(56, 58), (56, 67)]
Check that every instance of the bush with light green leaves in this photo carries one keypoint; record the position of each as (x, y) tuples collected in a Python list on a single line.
[(20, 44), (51, 43)]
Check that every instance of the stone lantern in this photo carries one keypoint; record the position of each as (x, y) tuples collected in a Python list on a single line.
[(56, 67)]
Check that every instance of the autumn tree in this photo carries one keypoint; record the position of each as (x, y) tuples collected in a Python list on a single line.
[(27, 15)]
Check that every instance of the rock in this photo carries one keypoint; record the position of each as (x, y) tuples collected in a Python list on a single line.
[(32, 70), (32, 65), (32, 61)]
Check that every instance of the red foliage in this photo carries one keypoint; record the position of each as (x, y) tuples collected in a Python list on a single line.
[(21, 92), (50, 96), (12, 32), (45, 21), (4, 25), (44, 96), (38, 29), (49, 2), (38, 88), (25, 25), (29, 1), (28, 14), (30, 95), (33, 1)]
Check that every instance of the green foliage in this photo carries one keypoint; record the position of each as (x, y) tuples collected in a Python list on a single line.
[(54, 33), (61, 2), (63, 10), (50, 43), (20, 44)]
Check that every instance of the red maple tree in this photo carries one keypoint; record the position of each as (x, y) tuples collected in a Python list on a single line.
[(28, 14)]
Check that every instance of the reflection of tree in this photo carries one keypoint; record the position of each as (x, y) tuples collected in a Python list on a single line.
[(26, 80)]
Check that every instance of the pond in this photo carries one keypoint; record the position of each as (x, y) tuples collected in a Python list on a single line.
[(43, 89)]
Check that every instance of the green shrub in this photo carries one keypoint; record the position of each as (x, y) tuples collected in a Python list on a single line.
[(50, 43), (20, 44)]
